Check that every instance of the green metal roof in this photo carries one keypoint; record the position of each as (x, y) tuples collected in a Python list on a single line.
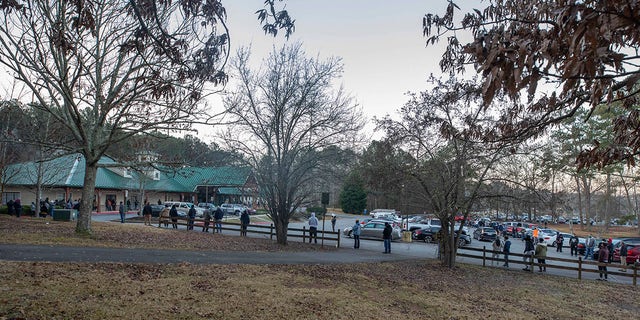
[(68, 171)]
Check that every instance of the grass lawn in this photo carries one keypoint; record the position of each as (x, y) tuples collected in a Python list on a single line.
[(416, 289)]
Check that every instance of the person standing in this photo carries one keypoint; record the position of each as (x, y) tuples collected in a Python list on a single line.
[(191, 215), (590, 243), (11, 209), (33, 209), (497, 247), (529, 252), (17, 207), (164, 216), (559, 242), (217, 217), (386, 237), (207, 219), (573, 245), (603, 255), (146, 213), (121, 210), (173, 213), (355, 232), (506, 249), (313, 227), (541, 254), (244, 222), (333, 222), (623, 256)]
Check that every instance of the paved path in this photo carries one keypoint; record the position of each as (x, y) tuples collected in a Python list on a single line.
[(21, 252)]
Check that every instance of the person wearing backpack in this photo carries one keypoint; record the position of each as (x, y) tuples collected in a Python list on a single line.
[(497, 248)]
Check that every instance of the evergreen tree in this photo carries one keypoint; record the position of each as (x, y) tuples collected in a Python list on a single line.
[(353, 197)]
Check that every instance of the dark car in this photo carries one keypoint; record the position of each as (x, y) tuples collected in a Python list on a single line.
[(463, 239), (485, 234), (155, 209), (426, 234), (633, 253)]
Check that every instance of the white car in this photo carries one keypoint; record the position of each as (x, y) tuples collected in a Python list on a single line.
[(185, 206)]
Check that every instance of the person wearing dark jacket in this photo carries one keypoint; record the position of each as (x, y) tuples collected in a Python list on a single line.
[(529, 251), (192, 216), (146, 213), (173, 213), (573, 245), (386, 236), (623, 256), (121, 211), (17, 207), (603, 257), (506, 249), (217, 217), (244, 222)]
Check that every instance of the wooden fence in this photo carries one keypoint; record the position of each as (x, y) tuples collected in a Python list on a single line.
[(257, 229), (581, 265)]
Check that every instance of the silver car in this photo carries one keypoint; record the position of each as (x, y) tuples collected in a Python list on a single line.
[(373, 229)]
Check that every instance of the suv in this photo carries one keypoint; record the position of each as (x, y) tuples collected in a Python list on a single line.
[(233, 208)]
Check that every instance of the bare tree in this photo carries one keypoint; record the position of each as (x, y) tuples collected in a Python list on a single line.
[(108, 69), (284, 115)]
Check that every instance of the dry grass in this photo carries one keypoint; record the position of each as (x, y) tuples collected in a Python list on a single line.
[(405, 290)]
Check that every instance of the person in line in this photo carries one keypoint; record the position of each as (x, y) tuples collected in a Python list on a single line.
[(559, 242), (573, 245), (207, 220), (121, 211), (173, 213), (529, 252), (623, 256), (506, 249), (164, 216), (497, 248), (146, 213), (589, 246), (313, 227), (610, 247), (10, 208), (333, 222), (17, 207), (33, 209), (217, 217), (541, 254), (191, 214), (355, 232), (386, 237), (244, 222), (603, 255)]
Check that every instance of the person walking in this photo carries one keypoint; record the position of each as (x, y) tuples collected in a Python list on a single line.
[(146, 213), (122, 213), (559, 242), (603, 255), (173, 213), (529, 252), (217, 217), (506, 249), (244, 222), (590, 244), (355, 232), (497, 248), (333, 222), (313, 227), (191, 215), (623, 256), (386, 237), (541, 254), (207, 220), (573, 245)]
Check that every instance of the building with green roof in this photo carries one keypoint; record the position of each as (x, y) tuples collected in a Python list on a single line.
[(61, 179)]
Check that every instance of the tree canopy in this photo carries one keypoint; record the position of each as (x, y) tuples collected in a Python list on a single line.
[(550, 58)]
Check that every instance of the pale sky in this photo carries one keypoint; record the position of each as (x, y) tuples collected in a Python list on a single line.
[(380, 43)]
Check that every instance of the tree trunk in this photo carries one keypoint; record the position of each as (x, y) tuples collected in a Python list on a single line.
[(83, 226), (281, 230)]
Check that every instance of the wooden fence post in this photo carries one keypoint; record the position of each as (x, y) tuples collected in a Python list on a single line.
[(271, 232), (580, 268), (339, 242), (484, 256)]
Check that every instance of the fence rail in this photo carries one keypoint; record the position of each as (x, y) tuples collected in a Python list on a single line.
[(270, 230), (582, 265)]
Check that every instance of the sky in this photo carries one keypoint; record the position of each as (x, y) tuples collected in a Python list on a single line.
[(380, 42)]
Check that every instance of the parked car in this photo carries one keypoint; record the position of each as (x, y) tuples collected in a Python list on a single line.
[(485, 234), (463, 239), (633, 253), (155, 209), (548, 236), (425, 234), (373, 229), (185, 206), (235, 208)]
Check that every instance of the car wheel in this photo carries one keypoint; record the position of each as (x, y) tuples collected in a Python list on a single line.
[(461, 243), (428, 239)]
